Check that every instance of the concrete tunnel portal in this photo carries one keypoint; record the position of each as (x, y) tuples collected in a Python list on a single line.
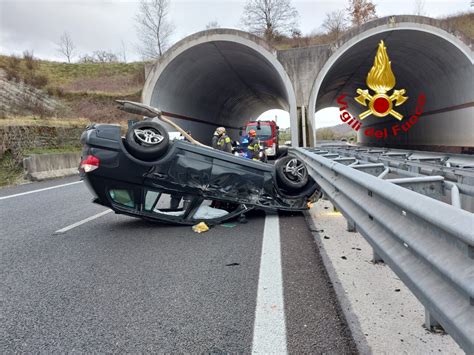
[(425, 60), (225, 77), (218, 78)]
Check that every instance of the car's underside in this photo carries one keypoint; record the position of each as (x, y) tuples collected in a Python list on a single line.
[(183, 182)]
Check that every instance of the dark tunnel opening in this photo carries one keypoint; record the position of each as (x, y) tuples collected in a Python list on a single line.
[(423, 63), (220, 83)]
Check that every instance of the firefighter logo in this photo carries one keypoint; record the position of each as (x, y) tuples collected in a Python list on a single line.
[(381, 80)]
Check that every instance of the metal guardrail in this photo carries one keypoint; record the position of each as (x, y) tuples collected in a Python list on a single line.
[(458, 168), (454, 168), (429, 244)]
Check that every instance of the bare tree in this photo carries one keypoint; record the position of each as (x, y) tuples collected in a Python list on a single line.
[(361, 11), (419, 8), (335, 23), (100, 56), (66, 46), (212, 24), (270, 18), (154, 30)]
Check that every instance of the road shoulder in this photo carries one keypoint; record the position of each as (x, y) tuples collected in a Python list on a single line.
[(314, 319), (373, 298)]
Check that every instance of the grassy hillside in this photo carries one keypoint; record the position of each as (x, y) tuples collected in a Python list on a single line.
[(110, 78), (463, 22), (92, 77), (85, 90)]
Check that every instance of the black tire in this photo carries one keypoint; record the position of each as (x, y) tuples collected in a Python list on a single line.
[(310, 188), (291, 173), (282, 152), (147, 140)]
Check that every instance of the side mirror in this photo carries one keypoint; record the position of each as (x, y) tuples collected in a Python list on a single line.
[(277, 127)]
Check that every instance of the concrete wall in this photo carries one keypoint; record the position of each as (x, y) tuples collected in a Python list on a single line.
[(48, 166), (302, 66)]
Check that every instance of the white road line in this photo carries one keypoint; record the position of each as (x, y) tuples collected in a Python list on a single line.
[(39, 190), (77, 224), (269, 332)]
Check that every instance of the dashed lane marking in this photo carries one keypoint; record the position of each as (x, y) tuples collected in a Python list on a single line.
[(77, 224), (39, 190)]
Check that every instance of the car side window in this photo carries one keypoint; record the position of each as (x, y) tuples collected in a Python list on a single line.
[(164, 203), (122, 197)]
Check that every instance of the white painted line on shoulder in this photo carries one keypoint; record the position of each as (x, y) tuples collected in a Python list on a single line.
[(77, 224), (269, 332), (39, 190)]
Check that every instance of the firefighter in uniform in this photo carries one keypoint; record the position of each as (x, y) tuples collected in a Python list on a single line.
[(215, 138), (223, 140), (254, 146)]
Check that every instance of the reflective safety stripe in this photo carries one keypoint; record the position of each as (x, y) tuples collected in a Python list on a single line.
[(223, 140)]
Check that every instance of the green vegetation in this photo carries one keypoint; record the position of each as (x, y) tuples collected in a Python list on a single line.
[(48, 150), (10, 170), (49, 122), (85, 90), (25, 70), (284, 135), (338, 132), (65, 76), (463, 22)]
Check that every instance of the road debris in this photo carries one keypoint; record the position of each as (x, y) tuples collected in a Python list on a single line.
[(200, 227)]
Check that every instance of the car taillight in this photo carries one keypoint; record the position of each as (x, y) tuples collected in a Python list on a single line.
[(90, 163)]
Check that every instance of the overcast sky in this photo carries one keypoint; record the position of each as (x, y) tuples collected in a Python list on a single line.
[(104, 24)]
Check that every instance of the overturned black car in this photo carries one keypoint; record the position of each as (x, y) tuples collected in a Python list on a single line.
[(145, 175)]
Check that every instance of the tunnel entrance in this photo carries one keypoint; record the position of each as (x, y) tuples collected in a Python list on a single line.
[(219, 78), (329, 127), (425, 60)]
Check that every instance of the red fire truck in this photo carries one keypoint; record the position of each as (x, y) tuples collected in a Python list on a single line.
[(267, 134)]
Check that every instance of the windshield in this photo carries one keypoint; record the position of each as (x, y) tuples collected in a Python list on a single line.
[(265, 131)]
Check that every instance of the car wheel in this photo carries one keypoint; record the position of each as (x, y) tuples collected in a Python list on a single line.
[(291, 172), (147, 140), (282, 152)]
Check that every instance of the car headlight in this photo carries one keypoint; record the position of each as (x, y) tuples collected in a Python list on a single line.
[(269, 151)]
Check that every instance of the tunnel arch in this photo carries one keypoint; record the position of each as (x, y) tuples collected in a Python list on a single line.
[(219, 77), (439, 63)]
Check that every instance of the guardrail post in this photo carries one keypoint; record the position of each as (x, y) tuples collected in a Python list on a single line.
[(376, 257), (430, 322), (351, 227)]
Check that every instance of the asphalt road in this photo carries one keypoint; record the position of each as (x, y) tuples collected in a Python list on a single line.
[(119, 284)]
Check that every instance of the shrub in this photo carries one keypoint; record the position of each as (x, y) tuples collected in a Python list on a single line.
[(55, 91), (29, 60), (12, 68), (37, 80)]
